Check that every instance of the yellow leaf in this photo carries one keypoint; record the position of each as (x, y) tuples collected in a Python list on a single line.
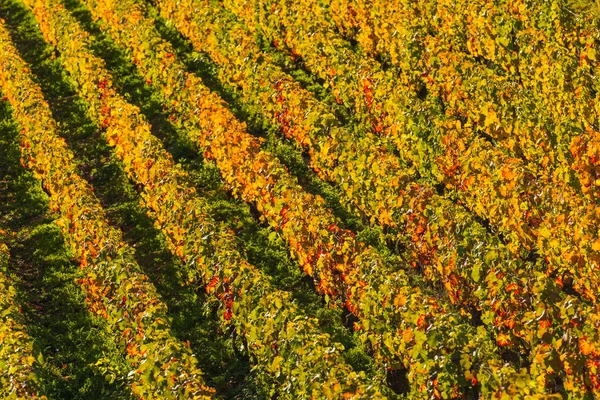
[(408, 335), (490, 117), (400, 300), (585, 347), (507, 173), (591, 53), (596, 245), (276, 364), (503, 339)]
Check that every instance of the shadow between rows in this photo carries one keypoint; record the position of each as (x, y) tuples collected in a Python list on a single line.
[(75, 357)]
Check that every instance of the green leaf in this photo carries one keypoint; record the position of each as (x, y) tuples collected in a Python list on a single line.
[(490, 257), (475, 273), (272, 236)]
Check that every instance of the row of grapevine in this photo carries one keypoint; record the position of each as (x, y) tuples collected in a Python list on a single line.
[(368, 176), (284, 345), (114, 285), (376, 96), (522, 200), (520, 294), (140, 61), (474, 266), (17, 374), (358, 82), (512, 65), (251, 173), (484, 258), (222, 137), (531, 199)]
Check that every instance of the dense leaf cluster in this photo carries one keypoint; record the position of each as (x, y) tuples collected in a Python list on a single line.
[(466, 132)]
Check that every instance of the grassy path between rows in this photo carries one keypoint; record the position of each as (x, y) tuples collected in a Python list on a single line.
[(74, 357)]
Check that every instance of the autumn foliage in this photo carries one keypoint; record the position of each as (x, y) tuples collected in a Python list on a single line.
[(472, 145)]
